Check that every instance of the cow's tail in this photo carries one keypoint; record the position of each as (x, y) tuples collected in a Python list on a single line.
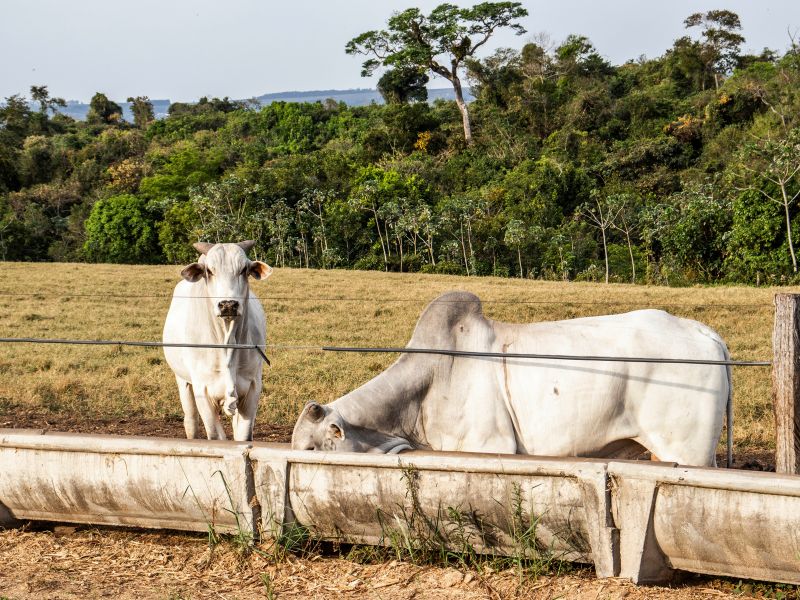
[(729, 412)]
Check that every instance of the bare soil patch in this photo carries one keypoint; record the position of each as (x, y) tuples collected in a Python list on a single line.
[(151, 426), (67, 563)]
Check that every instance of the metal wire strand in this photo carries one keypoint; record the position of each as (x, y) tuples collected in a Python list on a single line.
[(136, 343), (386, 350), (629, 359)]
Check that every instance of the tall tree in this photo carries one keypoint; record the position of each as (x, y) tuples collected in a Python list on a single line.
[(40, 94), (142, 110), (721, 47), (601, 216), (448, 35), (776, 162), (103, 111)]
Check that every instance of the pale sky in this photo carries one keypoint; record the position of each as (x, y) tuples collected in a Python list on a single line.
[(184, 49)]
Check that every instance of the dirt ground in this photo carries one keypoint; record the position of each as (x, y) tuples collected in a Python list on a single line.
[(23, 418), (66, 563)]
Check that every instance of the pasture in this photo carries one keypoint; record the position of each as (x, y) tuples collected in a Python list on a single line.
[(131, 390), (85, 387)]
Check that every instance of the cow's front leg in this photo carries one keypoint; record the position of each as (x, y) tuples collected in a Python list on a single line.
[(209, 413), (245, 416), (190, 424)]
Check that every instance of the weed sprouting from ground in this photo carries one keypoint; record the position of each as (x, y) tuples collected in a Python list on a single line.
[(461, 537), (269, 591)]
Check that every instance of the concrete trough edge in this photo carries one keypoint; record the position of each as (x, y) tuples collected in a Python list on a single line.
[(620, 500)]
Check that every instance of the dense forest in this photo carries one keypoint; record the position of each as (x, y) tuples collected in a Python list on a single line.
[(678, 169)]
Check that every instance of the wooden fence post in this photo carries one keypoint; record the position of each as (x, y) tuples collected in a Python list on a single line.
[(786, 382)]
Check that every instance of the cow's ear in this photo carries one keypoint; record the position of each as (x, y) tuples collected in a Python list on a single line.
[(194, 272), (335, 431), (314, 412), (259, 270), (203, 247)]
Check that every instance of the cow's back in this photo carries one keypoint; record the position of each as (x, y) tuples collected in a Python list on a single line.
[(568, 407)]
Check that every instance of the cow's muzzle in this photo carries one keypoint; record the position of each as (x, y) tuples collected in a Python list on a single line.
[(228, 308)]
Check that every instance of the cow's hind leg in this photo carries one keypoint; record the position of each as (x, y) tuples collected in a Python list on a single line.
[(209, 413), (190, 423), (245, 416)]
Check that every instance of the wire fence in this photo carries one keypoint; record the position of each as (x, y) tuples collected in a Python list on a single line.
[(260, 349), (397, 350)]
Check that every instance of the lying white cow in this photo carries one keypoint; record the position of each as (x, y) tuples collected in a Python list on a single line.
[(214, 305), (536, 406)]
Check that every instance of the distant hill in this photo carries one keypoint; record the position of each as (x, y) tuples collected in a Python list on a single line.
[(356, 97)]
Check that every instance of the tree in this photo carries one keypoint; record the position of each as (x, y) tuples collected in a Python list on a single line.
[(459, 213), (515, 238), (721, 48), (402, 84), (103, 111), (602, 216), (688, 232), (776, 162), (449, 34), (40, 94), (228, 210), (15, 117), (122, 229), (142, 110), (624, 205)]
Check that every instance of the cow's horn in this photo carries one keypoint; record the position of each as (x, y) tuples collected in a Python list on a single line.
[(203, 247), (246, 245)]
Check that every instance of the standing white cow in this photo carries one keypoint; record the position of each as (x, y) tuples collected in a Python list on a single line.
[(214, 305), (536, 406)]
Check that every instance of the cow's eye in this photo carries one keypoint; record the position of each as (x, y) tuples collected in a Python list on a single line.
[(311, 448), (209, 272), (244, 271)]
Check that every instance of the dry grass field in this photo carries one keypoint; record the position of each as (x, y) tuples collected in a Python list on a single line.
[(94, 386), (131, 390)]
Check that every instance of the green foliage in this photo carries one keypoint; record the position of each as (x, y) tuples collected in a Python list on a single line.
[(142, 110), (229, 210), (758, 244), (687, 234), (182, 168), (122, 229), (175, 231), (696, 183), (402, 84), (103, 111), (440, 42)]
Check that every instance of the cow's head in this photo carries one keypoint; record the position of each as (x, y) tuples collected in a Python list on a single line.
[(225, 268), (323, 428)]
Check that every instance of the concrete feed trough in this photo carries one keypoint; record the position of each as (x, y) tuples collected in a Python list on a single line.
[(630, 519), (117, 480), (487, 501)]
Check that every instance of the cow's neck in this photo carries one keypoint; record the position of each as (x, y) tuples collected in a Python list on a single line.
[(390, 402)]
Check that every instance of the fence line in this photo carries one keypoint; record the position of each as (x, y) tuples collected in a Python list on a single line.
[(135, 343), (400, 300), (399, 350)]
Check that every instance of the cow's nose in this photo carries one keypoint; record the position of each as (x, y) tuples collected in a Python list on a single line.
[(228, 308)]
